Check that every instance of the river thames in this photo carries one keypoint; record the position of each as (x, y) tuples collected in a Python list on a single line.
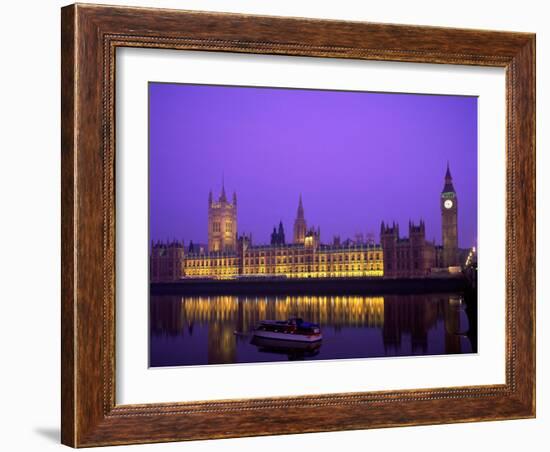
[(199, 330)]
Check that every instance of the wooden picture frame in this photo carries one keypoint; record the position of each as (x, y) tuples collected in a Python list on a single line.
[(90, 36)]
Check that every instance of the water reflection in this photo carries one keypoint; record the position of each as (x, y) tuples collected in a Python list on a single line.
[(294, 351), (217, 329)]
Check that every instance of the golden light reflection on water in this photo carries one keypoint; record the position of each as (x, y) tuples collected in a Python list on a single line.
[(339, 310), (227, 321)]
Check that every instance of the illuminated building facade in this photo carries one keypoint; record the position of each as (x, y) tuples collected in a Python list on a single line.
[(288, 261), (310, 260), (307, 257), (222, 223), (228, 256)]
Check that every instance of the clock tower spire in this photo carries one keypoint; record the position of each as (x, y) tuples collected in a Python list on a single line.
[(449, 229)]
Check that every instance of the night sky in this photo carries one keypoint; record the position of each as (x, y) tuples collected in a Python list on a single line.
[(357, 158)]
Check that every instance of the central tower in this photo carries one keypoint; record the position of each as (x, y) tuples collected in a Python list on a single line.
[(300, 226), (222, 223), (449, 228)]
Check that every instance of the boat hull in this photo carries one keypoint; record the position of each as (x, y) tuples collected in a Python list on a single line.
[(288, 336)]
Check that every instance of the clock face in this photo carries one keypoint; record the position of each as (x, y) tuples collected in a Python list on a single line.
[(448, 204)]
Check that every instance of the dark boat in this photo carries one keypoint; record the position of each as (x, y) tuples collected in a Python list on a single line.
[(294, 329)]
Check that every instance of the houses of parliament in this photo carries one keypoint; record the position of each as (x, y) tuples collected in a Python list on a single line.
[(228, 255)]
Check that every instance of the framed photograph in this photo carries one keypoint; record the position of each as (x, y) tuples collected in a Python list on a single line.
[(280, 225)]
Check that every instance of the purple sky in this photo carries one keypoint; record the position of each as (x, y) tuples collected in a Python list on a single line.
[(357, 158)]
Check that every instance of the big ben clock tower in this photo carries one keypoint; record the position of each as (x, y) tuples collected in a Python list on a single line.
[(449, 230)]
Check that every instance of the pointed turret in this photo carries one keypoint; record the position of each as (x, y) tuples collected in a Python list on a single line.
[(234, 198), (448, 187), (300, 225), (281, 233), (223, 197), (300, 213)]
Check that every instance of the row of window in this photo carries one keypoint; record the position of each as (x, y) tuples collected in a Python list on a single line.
[(273, 261), (284, 269), (352, 256), (216, 226), (211, 263), (212, 272), (299, 272), (314, 268), (296, 259)]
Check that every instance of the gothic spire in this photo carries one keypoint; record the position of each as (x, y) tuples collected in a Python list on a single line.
[(300, 208), (448, 187), (223, 197)]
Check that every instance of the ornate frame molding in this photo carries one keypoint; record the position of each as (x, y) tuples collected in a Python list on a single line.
[(90, 37)]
